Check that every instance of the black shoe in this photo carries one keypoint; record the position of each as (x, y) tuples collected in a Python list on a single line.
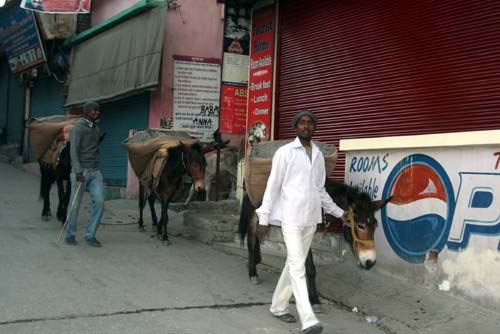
[(70, 241), (314, 329), (287, 317), (93, 242)]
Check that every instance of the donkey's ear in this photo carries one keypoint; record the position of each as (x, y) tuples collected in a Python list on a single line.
[(377, 205)]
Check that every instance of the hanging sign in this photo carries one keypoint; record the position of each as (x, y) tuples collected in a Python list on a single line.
[(21, 40), (54, 26), (197, 94), (260, 87), (57, 6), (233, 108)]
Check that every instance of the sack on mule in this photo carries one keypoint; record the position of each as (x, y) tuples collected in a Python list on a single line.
[(143, 147), (258, 166), (45, 131)]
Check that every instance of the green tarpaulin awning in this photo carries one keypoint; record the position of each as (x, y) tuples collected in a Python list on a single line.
[(119, 61)]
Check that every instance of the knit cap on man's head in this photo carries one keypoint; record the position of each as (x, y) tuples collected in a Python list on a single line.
[(89, 106), (302, 113)]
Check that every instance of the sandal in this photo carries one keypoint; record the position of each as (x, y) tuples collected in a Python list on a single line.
[(314, 329), (287, 317)]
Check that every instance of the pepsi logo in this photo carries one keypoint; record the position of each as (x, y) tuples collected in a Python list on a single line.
[(418, 217)]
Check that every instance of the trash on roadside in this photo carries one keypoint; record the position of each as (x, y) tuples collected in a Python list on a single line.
[(444, 286), (355, 309), (371, 318), (343, 252)]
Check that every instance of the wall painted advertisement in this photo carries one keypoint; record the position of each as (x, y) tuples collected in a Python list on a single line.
[(261, 76), (20, 40), (233, 108), (444, 209), (197, 95)]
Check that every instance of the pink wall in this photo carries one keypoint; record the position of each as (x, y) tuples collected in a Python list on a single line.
[(104, 9), (195, 28)]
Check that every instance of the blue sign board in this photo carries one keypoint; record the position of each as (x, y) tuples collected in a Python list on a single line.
[(20, 40)]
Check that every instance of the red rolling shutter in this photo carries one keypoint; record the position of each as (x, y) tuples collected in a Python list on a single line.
[(389, 68)]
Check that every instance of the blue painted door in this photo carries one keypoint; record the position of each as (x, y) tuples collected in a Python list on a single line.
[(118, 118), (11, 106)]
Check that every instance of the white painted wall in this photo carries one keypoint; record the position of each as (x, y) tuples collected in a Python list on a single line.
[(470, 207)]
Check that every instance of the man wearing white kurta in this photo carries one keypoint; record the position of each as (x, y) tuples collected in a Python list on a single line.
[(294, 196)]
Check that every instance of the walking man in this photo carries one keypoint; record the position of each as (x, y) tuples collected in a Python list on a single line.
[(294, 196), (85, 138)]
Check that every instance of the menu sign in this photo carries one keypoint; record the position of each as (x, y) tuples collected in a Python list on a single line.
[(233, 108), (260, 85)]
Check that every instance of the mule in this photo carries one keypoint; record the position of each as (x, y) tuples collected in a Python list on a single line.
[(182, 159), (228, 166), (60, 174), (359, 232)]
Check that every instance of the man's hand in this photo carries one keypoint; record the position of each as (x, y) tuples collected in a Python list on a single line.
[(80, 177), (345, 217), (262, 232)]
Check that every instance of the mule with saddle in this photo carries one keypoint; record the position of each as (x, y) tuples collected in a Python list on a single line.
[(160, 159)]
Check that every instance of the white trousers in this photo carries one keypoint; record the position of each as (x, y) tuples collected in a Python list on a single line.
[(293, 277)]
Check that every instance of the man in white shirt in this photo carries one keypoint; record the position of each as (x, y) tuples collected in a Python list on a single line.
[(294, 196)]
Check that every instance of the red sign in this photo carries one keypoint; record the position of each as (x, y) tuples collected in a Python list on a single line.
[(57, 6), (233, 108), (260, 85)]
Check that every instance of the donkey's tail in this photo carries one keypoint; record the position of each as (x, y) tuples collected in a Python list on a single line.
[(247, 210)]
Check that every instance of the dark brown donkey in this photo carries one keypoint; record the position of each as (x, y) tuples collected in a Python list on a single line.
[(182, 159), (360, 232), (59, 174)]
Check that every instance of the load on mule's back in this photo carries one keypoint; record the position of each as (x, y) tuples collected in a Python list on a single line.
[(159, 159), (50, 144)]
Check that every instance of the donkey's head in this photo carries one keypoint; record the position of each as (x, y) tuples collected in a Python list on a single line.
[(194, 162), (359, 230)]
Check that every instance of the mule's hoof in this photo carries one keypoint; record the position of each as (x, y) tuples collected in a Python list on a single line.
[(141, 228), (255, 280), (45, 218), (167, 242)]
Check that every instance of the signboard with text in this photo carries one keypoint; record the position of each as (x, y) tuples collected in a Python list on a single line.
[(54, 26), (21, 40), (260, 85), (233, 108), (57, 6), (196, 95), (235, 68)]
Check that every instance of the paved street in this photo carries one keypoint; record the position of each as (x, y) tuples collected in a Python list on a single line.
[(133, 284)]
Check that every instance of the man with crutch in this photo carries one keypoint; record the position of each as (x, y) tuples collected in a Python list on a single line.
[(85, 138)]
